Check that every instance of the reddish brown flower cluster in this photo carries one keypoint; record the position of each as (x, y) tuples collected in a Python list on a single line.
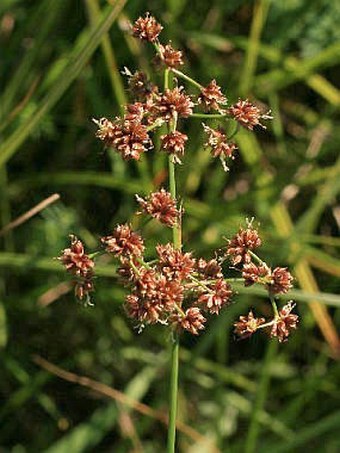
[(146, 28), (284, 323), (247, 325), (169, 56), (175, 288), (80, 265), (240, 245), (174, 102), (161, 206), (128, 135), (174, 144), (277, 281), (247, 114), (212, 98), (218, 142), (123, 242), (140, 86)]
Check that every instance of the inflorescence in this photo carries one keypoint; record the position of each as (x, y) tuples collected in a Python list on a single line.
[(178, 289)]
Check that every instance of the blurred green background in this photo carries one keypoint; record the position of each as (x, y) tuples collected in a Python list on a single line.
[(60, 66)]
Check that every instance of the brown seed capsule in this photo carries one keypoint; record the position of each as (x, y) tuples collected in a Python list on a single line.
[(193, 321), (255, 274), (218, 142)]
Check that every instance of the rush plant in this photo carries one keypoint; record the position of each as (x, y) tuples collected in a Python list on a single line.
[(177, 289)]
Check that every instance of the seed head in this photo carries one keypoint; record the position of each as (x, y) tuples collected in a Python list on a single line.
[(174, 102), (169, 56), (192, 321), (140, 86), (247, 325), (174, 143), (241, 243), (75, 259), (124, 242), (209, 269), (129, 137), (146, 28), (212, 98), (281, 281), (219, 294), (173, 263), (161, 206), (247, 114), (255, 274), (285, 323), (218, 142)]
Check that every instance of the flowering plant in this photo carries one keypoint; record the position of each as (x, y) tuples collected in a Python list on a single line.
[(177, 289)]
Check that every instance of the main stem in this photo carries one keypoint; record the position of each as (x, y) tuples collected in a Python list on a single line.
[(173, 397)]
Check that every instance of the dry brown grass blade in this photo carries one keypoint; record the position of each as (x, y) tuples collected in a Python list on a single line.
[(30, 213), (118, 396)]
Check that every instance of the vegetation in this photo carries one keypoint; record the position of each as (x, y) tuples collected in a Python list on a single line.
[(82, 378)]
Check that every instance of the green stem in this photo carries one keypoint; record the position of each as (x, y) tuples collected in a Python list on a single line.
[(261, 396), (211, 116), (173, 395), (176, 231), (187, 78)]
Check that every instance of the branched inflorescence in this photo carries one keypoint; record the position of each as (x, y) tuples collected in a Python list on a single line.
[(176, 288)]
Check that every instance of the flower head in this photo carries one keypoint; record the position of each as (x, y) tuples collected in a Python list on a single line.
[(173, 263), (253, 273), (192, 320), (241, 243), (129, 137), (281, 281), (218, 142), (209, 269), (75, 260), (124, 242), (170, 57), (161, 206), (173, 102), (174, 143), (284, 323), (247, 114), (139, 85), (211, 97), (146, 28), (218, 294), (247, 325)]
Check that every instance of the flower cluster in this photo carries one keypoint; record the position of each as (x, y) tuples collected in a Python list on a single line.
[(176, 288), (240, 250), (80, 266), (173, 289), (129, 135)]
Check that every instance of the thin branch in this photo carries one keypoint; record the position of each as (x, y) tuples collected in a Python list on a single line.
[(118, 396), (30, 213)]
